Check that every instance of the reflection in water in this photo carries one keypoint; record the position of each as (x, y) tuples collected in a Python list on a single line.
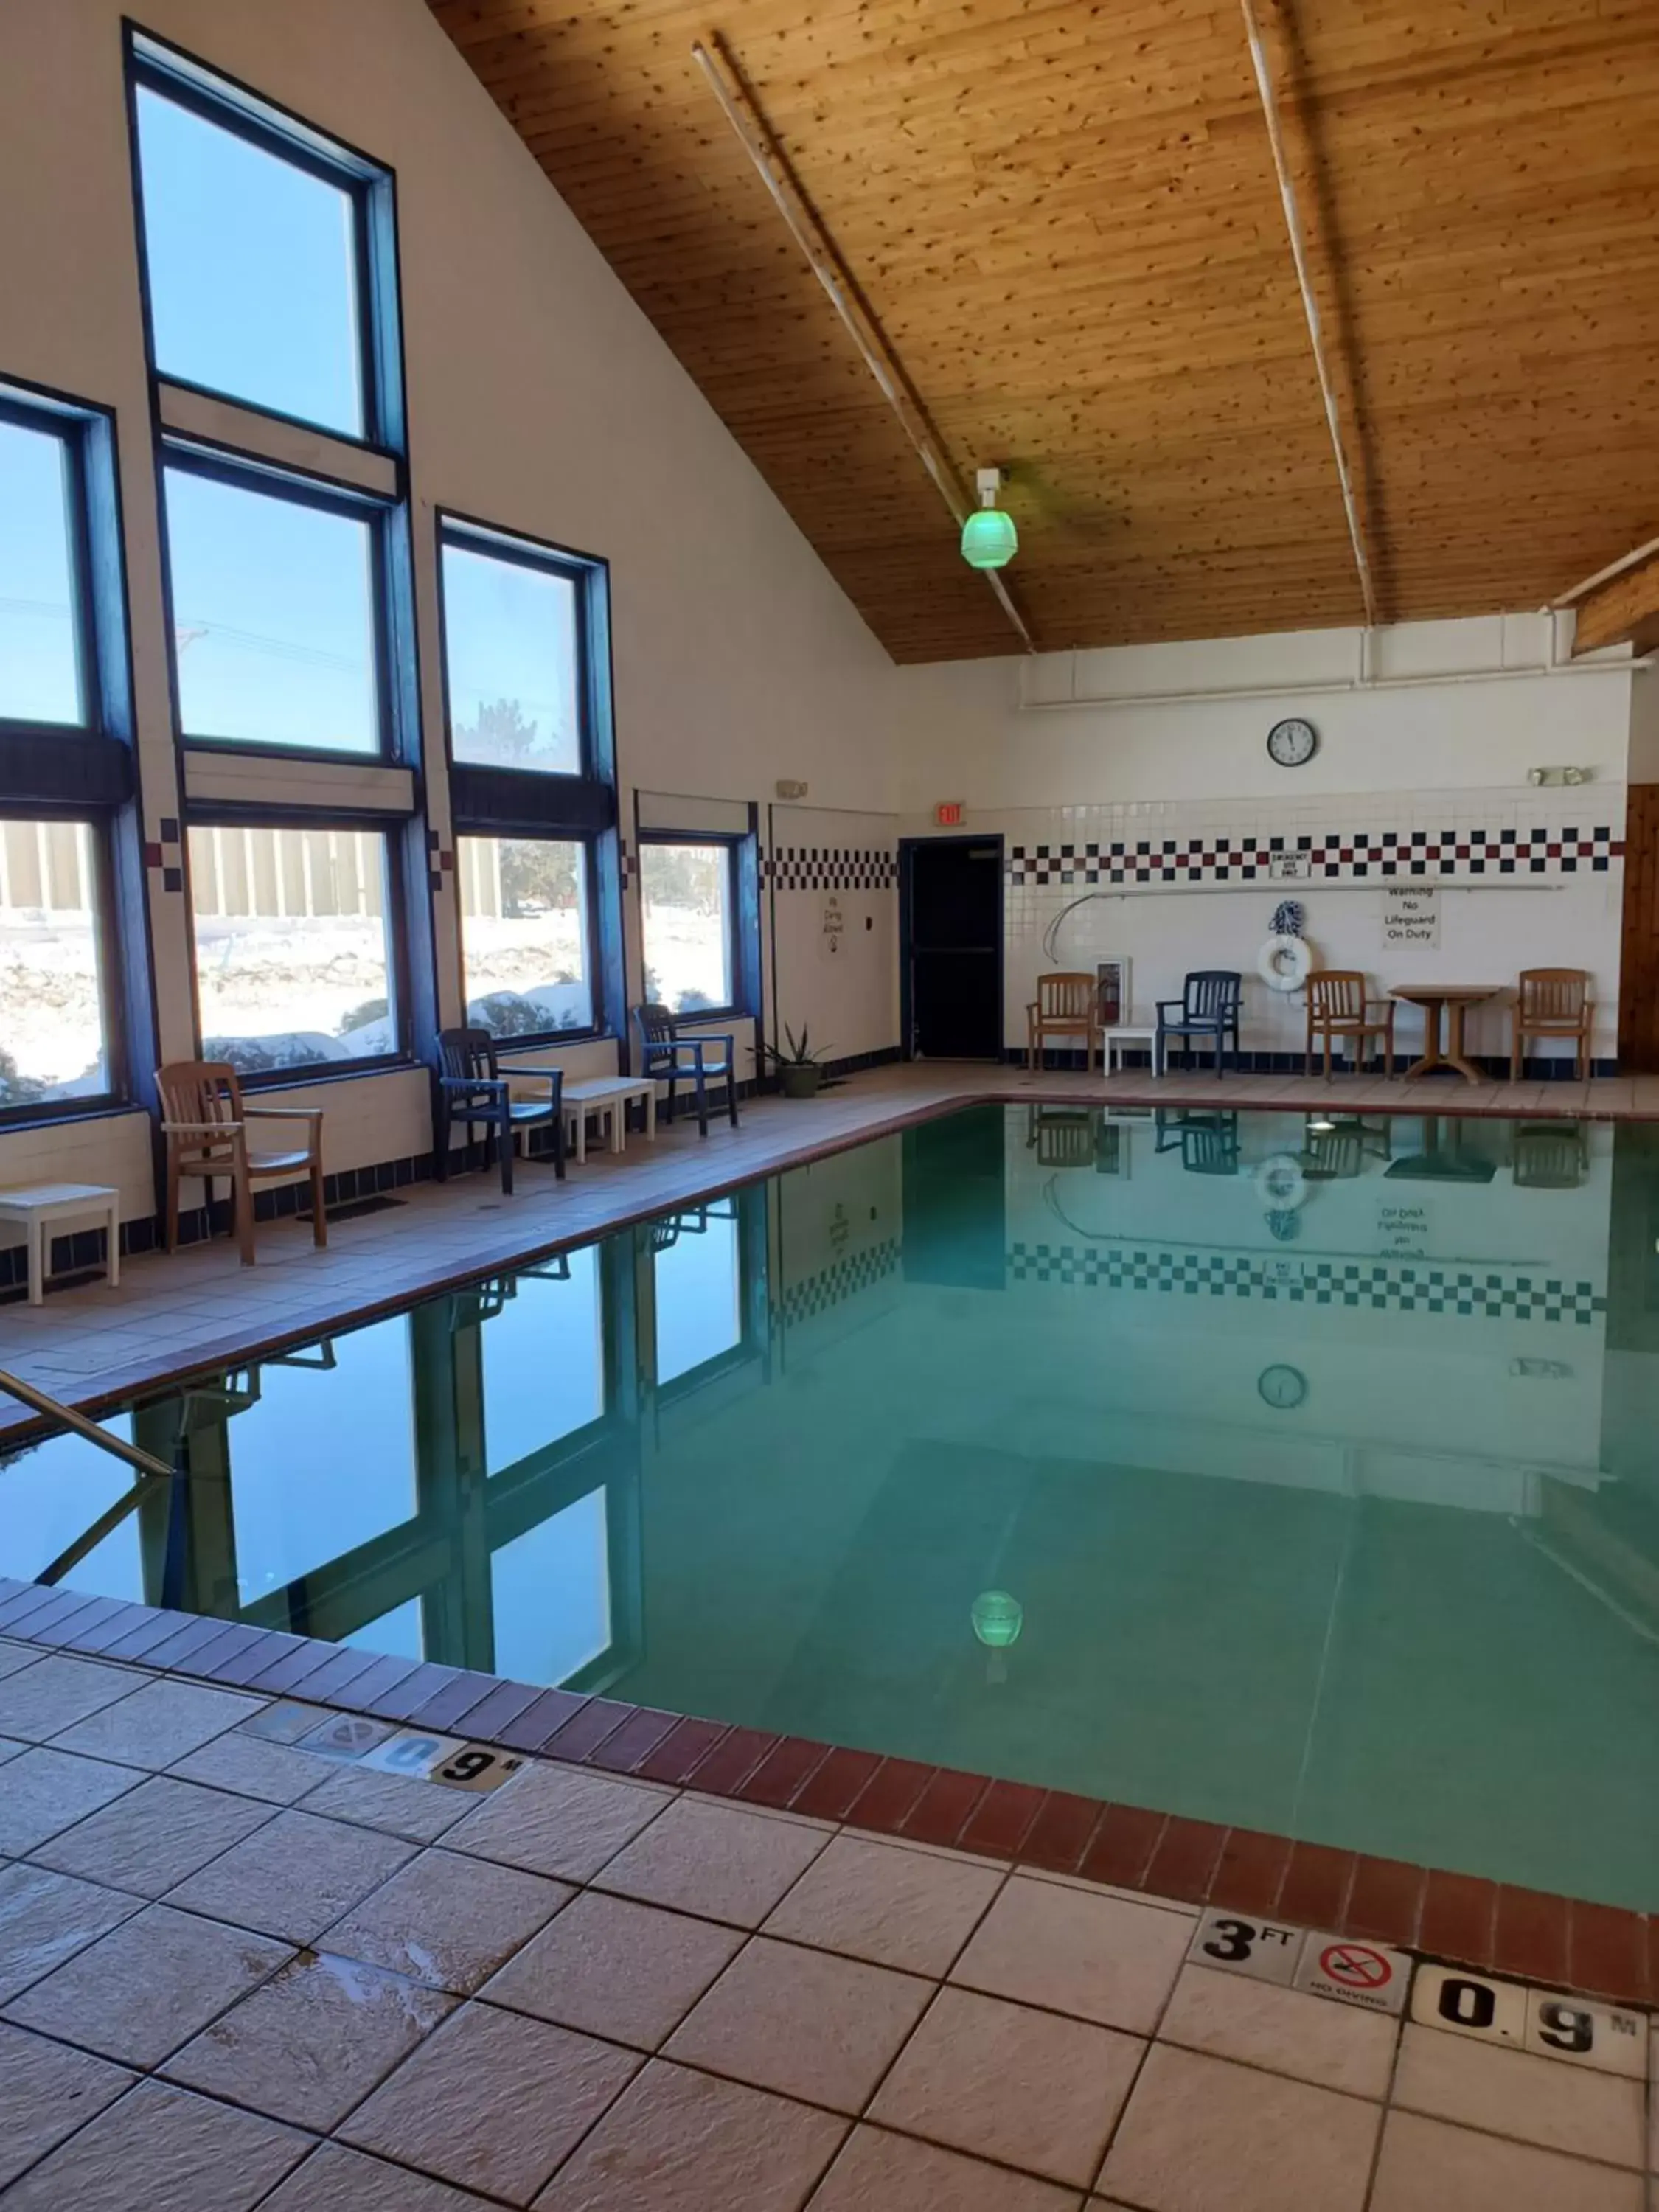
[(1314, 1455)]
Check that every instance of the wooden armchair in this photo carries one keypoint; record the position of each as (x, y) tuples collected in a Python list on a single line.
[(205, 1123), (1067, 1005), (1338, 1007), (1552, 1002)]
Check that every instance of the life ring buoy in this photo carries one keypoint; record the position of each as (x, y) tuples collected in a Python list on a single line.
[(1280, 1184), (1282, 962)]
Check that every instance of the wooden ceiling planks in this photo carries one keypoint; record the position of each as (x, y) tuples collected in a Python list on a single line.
[(1064, 215)]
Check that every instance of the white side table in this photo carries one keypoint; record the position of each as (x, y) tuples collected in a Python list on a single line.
[(1142, 1035), (608, 1096), (38, 1206)]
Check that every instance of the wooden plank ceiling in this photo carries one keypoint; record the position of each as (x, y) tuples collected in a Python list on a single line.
[(1063, 213)]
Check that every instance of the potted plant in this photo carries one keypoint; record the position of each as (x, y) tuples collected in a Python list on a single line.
[(800, 1070)]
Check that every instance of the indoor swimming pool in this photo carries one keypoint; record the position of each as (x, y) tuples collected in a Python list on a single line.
[(1298, 1473)]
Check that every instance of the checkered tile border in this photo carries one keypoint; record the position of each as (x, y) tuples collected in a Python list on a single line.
[(1377, 1286), (1219, 858), (833, 868), (843, 1279)]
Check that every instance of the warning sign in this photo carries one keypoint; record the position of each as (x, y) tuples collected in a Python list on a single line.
[(1356, 1973)]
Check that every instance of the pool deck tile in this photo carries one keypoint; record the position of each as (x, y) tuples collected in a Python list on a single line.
[(730, 1762), (678, 1754), (1386, 1899), (1062, 1832), (64, 1632), (784, 1773), (540, 1720), (1607, 1949), (585, 1732), (631, 1740), (1531, 1937), (1185, 1861), (462, 1695), (1250, 1871), (205, 1653), (1000, 1822), (403, 1698), (1458, 1913), (1315, 1892), (836, 1788), (939, 1814), (888, 1799)]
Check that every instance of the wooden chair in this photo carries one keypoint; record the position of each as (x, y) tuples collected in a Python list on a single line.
[(1338, 1007), (471, 1088), (1067, 1005), (204, 1120), (660, 1061), (1208, 1007), (1552, 1002)]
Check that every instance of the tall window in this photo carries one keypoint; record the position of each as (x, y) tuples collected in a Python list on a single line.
[(258, 240), (688, 898), (531, 779), (526, 934), (66, 780), (268, 258), (510, 638), (40, 672), (274, 612), (293, 956)]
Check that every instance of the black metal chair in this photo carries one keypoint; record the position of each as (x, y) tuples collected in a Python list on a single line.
[(662, 1046), (471, 1088), (1208, 1007)]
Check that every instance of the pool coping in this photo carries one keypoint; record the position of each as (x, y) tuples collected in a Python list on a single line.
[(1604, 1951), (236, 1347)]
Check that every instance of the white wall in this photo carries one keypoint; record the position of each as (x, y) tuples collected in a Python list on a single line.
[(539, 399), (1443, 743)]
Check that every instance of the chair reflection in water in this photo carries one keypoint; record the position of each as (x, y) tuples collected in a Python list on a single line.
[(1550, 1156), (1064, 1136), (1208, 1143)]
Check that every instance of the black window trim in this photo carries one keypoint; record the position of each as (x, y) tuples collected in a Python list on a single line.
[(175, 74), (734, 842), (260, 477), (541, 805), (115, 1096), (89, 771), (219, 814)]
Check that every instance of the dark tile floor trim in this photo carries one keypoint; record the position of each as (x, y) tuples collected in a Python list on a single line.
[(1599, 1950)]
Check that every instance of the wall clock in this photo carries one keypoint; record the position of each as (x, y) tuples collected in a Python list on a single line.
[(1282, 1387), (1292, 744)]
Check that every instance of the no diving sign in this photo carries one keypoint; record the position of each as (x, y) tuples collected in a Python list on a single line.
[(1356, 1973), (1352, 1972)]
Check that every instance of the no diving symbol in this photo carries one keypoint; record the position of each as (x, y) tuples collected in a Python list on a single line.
[(1355, 1965)]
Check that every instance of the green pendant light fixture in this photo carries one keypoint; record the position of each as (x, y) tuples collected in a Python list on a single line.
[(989, 539)]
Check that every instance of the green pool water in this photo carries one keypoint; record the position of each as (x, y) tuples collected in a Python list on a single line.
[(1319, 1459)]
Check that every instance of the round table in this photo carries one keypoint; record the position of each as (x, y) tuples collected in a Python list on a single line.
[(1456, 999)]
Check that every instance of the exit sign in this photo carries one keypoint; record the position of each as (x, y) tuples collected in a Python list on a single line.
[(948, 814)]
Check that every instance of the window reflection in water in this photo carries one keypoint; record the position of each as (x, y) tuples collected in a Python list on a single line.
[(550, 1595), (699, 1289), (542, 1353)]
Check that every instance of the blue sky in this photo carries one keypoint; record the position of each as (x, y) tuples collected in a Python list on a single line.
[(252, 274)]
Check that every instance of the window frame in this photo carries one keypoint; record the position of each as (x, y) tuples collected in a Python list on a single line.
[(534, 1040), (733, 841), (219, 814), (87, 771), (321, 495), (107, 938), (541, 804), (158, 65)]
